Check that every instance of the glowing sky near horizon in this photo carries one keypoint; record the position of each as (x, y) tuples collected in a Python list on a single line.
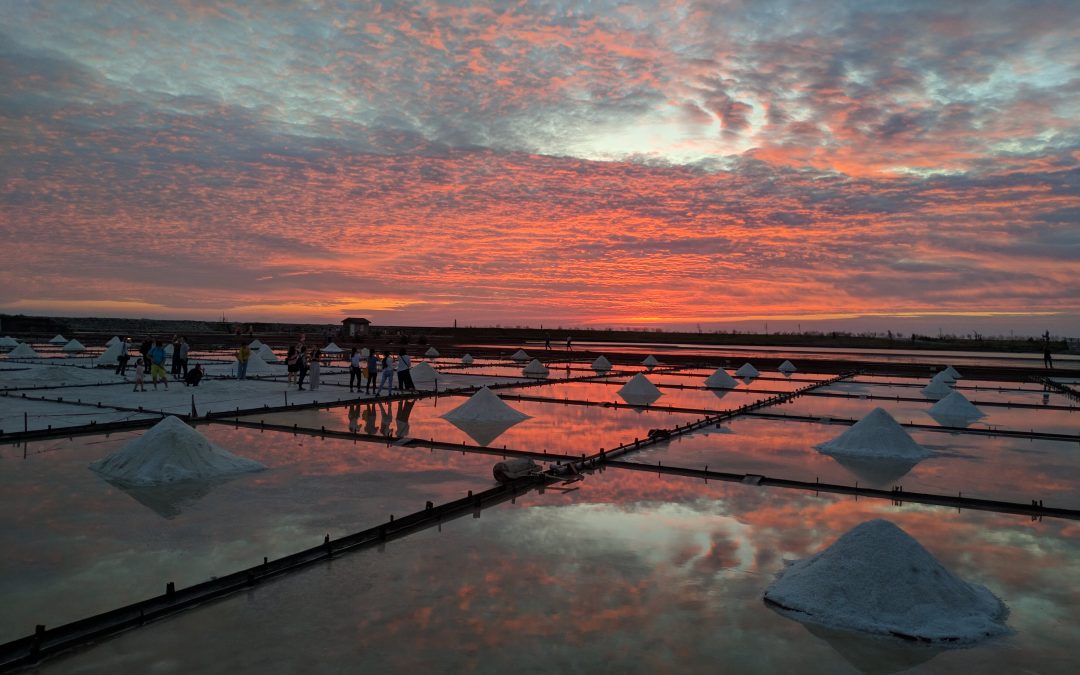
[(607, 164)]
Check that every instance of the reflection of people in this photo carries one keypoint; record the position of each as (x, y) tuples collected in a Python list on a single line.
[(404, 409), (385, 419), (369, 420), (354, 417)]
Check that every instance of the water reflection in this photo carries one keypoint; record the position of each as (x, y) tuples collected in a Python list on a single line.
[(878, 472), (169, 500), (874, 655)]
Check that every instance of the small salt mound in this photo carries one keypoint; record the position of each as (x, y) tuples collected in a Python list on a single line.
[(58, 340), (601, 363), (936, 389), (639, 391), (955, 407), (267, 354), (255, 345), (721, 380), (520, 355), (256, 366), (423, 372), (535, 368), (878, 579), (74, 346), (650, 361), (109, 356), (169, 452), (484, 406), (23, 351), (787, 367), (432, 353), (114, 340), (747, 370), (467, 359), (332, 349), (876, 435), (953, 373), (7, 341)]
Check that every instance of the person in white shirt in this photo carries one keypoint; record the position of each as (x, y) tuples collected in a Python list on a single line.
[(403, 374)]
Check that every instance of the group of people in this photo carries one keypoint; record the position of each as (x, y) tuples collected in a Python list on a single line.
[(151, 361), (365, 365)]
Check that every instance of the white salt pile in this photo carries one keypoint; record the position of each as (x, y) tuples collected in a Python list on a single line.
[(601, 363), (266, 353), (467, 359), (23, 351), (519, 355), (58, 339), (878, 579), (650, 361), (747, 370), (332, 349), (639, 391), (484, 406), (955, 410), (8, 341), (876, 435), (256, 366), (109, 356), (787, 367), (74, 346), (255, 345), (721, 380), (953, 373), (535, 368), (432, 353), (424, 373), (938, 388), (112, 341), (171, 451)]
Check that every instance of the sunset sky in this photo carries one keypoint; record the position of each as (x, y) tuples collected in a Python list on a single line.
[(890, 165)]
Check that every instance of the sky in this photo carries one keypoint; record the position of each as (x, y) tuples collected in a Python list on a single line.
[(880, 165)]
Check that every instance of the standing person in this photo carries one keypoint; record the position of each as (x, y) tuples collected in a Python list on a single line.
[(184, 349), (144, 349), (122, 359), (290, 364), (403, 374), (242, 356), (157, 365), (301, 367), (1048, 360), (568, 342), (372, 368), (175, 370), (547, 341), (140, 381), (386, 377), (354, 369), (316, 368)]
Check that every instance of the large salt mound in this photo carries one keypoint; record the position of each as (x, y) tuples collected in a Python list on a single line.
[(169, 452), (109, 356), (876, 435), (937, 389), (74, 346), (255, 345), (721, 380), (955, 407), (953, 373), (650, 361), (23, 351), (256, 366), (467, 359), (639, 391), (747, 370), (266, 354), (114, 340), (484, 406), (601, 363), (519, 355), (787, 367), (877, 579), (58, 340), (535, 368), (423, 372), (7, 341), (432, 353)]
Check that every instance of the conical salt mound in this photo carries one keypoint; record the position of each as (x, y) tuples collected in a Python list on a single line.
[(256, 366), (878, 579), (936, 390), (432, 353), (601, 363), (639, 391), (721, 380), (535, 368), (953, 373), (943, 376), (484, 406), (74, 346), (112, 341), (58, 340), (7, 341), (747, 370), (520, 355), (109, 356), (255, 345), (23, 351), (467, 359), (332, 349), (876, 435), (787, 367), (650, 361), (424, 373), (266, 354), (955, 407), (171, 451)]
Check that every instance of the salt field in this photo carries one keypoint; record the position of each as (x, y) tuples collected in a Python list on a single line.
[(665, 513)]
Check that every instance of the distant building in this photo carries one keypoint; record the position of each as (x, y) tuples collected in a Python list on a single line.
[(354, 327)]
